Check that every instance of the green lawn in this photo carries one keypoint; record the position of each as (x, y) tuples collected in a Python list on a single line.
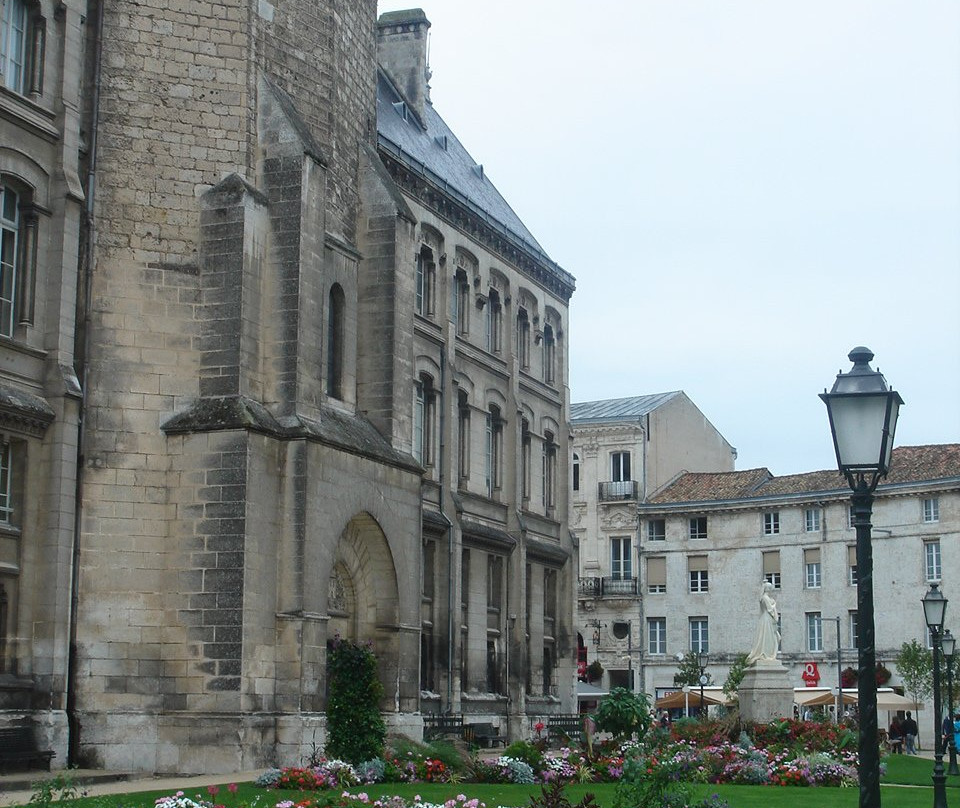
[(907, 784)]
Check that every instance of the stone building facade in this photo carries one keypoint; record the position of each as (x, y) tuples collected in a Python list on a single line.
[(298, 415), (710, 539), (624, 450)]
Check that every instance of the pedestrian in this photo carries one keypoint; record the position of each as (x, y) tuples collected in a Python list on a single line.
[(895, 736), (909, 729), (946, 731), (956, 731)]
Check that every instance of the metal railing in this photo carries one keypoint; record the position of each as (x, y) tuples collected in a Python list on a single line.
[(606, 587), (618, 491)]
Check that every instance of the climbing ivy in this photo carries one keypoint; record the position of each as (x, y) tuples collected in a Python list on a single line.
[(355, 728)]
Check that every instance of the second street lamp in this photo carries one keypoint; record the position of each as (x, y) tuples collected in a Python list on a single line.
[(948, 644), (934, 609), (863, 417), (702, 658)]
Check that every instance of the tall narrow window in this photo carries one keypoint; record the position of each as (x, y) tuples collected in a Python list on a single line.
[(699, 635), (5, 628), (463, 443), (620, 467), (526, 450), (494, 448), (335, 338), (494, 322), (852, 565), (811, 564), (523, 339), (424, 420), (6, 486), (576, 472), (621, 558), (9, 256), (814, 632), (771, 523), (932, 565), (549, 471), (549, 355), (461, 303), (771, 568), (426, 282), (811, 520), (854, 630)]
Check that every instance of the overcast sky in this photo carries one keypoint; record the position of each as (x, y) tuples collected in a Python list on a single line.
[(744, 190)]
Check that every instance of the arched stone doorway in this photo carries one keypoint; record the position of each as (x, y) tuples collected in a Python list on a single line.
[(362, 598)]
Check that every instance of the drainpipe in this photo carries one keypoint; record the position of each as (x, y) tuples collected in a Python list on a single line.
[(443, 444), (73, 723)]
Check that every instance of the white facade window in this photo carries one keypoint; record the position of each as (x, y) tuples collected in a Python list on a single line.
[(811, 563), (620, 467), (811, 520), (657, 635), (931, 510), (576, 472), (13, 45), (852, 565), (461, 303), (699, 635), (9, 257), (549, 355), (494, 322), (419, 408), (493, 450), (932, 565), (854, 630), (771, 523), (6, 501), (523, 338), (656, 530), (850, 517), (771, 568), (698, 527), (814, 632), (426, 280), (621, 558), (699, 578), (656, 575)]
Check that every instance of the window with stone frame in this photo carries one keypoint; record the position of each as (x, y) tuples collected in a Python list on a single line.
[(22, 45), (426, 282), (771, 523), (698, 527), (854, 629), (656, 530), (464, 617), (523, 339), (771, 567), (424, 420), (549, 629), (933, 568), (656, 575), (526, 451), (549, 355), (931, 509), (494, 451), (461, 303), (576, 471), (814, 631), (852, 565), (494, 323), (811, 520), (657, 635), (699, 577), (12, 459), (812, 568), (336, 315), (549, 474), (699, 635), (463, 438), (18, 256), (621, 558)]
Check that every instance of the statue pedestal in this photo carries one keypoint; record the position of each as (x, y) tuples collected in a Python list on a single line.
[(766, 693)]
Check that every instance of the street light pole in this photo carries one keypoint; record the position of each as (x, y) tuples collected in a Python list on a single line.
[(863, 417), (948, 645), (702, 658), (934, 609)]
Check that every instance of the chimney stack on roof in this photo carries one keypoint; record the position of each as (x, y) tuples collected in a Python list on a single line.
[(402, 52)]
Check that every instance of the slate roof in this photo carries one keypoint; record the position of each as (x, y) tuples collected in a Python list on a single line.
[(911, 464), (433, 150), (619, 409)]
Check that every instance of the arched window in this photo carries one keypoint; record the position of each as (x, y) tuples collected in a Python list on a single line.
[(22, 37), (494, 450), (494, 322), (335, 338), (576, 472), (461, 303), (549, 471), (463, 445), (525, 461), (18, 257), (523, 339), (426, 282), (424, 420), (549, 355)]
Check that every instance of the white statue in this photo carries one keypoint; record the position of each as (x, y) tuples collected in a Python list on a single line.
[(767, 641)]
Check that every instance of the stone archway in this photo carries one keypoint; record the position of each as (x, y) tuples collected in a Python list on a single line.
[(362, 597)]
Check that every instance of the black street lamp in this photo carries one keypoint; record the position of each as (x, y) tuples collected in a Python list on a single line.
[(934, 608), (702, 659), (948, 645), (863, 417)]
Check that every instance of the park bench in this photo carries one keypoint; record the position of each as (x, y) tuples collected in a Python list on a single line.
[(483, 735), (441, 726), (566, 727), (18, 749)]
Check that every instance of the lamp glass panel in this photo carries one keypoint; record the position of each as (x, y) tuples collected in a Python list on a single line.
[(948, 644), (894, 412), (934, 608), (858, 422)]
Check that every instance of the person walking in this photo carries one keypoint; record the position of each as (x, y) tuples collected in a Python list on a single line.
[(909, 729), (895, 736), (956, 731)]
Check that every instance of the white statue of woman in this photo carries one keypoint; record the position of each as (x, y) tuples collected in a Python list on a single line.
[(767, 641)]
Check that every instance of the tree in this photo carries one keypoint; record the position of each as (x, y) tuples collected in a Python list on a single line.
[(915, 666), (355, 728), (624, 713), (689, 671), (737, 668)]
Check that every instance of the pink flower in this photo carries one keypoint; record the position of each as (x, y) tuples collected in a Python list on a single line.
[(213, 790), (232, 788)]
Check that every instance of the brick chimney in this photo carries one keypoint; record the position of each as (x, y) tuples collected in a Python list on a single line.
[(402, 52)]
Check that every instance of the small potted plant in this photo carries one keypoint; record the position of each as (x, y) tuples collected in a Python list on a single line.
[(594, 671)]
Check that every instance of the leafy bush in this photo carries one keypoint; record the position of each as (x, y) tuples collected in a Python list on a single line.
[(623, 713), (527, 752), (355, 727)]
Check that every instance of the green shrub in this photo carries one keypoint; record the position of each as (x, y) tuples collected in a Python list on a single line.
[(527, 752), (623, 713), (355, 728)]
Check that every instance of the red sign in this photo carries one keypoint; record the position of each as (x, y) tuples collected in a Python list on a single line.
[(810, 674), (582, 669)]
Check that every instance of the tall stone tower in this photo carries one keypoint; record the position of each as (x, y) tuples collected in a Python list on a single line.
[(238, 508)]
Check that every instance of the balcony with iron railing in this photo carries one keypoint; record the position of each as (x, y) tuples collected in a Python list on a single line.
[(618, 491), (607, 587)]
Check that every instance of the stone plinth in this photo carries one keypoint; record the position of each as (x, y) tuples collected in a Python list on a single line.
[(766, 693)]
